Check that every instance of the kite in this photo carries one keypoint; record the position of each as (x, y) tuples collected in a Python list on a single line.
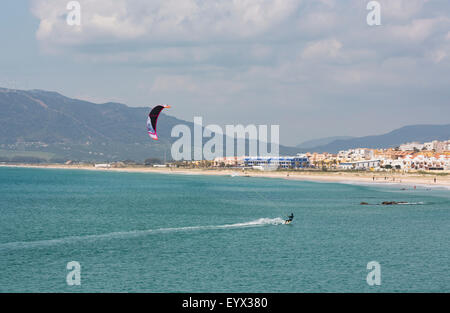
[(153, 119)]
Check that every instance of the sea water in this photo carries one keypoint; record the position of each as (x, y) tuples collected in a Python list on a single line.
[(144, 232)]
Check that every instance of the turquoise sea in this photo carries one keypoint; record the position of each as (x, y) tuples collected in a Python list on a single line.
[(139, 232)]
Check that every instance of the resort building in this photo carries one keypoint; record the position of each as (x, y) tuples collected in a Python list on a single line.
[(423, 162), (420, 161), (360, 165), (104, 165), (356, 154), (229, 161), (435, 145), (286, 162), (411, 146)]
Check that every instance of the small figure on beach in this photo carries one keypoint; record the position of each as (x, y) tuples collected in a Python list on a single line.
[(435, 180)]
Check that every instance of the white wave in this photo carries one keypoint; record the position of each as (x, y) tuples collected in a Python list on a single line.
[(135, 233)]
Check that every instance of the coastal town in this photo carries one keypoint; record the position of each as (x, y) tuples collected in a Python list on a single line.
[(433, 156), (414, 156)]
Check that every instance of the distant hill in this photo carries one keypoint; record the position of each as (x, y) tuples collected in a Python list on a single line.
[(43, 124), (321, 141), (419, 133)]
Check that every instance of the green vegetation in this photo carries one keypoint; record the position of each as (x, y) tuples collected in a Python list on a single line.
[(433, 173), (25, 156), (152, 161)]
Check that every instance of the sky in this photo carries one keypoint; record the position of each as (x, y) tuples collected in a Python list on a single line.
[(314, 67)]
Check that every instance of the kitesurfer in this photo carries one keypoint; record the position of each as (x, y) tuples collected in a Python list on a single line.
[(290, 218)]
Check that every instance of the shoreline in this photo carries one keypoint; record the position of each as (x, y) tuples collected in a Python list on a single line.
[(375, 178)]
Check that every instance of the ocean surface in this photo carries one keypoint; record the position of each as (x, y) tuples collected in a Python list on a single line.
[(139, 232)]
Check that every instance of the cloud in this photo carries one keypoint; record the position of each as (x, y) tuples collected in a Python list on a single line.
[(234, 32), (419, 30), (193, 85), (318, 22), (159, 20), (247, 56), (328, 48), (174, 83), (401, 9)]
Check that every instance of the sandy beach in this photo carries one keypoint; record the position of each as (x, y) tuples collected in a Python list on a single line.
[(411, 179)]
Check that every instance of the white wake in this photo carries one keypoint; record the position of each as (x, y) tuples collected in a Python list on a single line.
[(135, 233)]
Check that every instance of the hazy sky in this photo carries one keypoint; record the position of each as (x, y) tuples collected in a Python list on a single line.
[(313, 66)]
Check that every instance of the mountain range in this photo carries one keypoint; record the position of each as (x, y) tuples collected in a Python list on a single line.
[(48, 126), (419, 133), (321, 141)]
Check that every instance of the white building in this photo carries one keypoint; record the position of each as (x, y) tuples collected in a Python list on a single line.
[(356, 154), (229, 161), (360, 165), (296, 162), (421, 162), (104, 165), (438, 146), (411, 146)]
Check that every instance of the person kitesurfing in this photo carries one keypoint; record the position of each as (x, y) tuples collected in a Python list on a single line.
[(289, 218)]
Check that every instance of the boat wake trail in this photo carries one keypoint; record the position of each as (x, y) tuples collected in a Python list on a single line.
[(135, 233), (414, 203)]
